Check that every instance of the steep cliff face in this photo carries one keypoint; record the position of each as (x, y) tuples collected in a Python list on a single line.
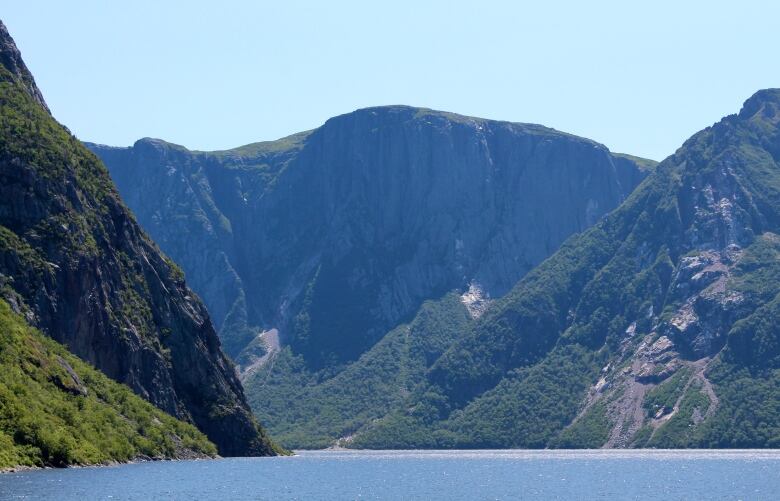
[(333, 237), (76, 264), (311, 249), (653, 328)]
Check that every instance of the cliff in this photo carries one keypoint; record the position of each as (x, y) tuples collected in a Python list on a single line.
[(75, 263), (388, 206), (323, 242)]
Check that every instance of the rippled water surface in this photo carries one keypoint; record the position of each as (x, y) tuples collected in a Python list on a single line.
[(447, 475)]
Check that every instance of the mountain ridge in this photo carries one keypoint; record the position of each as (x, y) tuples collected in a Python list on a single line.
[(388, 108)]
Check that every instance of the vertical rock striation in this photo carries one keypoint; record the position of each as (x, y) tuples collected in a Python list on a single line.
[(336, 235)]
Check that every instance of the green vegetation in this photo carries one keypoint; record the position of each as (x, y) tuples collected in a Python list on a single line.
[(665, 395), (590, 431), (312, 413), (55, 410), (28, 134), (643, 163), (748, 411), (681, 430), (757, 273), (642, 436), (283, 145), (523, 326), (530, 409), (526, 409)]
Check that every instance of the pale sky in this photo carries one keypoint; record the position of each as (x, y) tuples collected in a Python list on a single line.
[(640, 77)]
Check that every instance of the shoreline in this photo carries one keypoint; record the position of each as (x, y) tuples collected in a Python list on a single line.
[(527, 454), (136, 460)]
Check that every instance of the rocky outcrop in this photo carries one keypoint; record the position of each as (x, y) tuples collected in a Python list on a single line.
[(11, 59), (707, 305), (73, 259), (334, 236)]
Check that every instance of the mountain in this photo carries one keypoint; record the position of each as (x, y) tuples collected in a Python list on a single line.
[(388, 206), (309, 250), (654, 328), (76, 265), (55, 410)]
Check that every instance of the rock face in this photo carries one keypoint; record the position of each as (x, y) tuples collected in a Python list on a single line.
[(11, 59), (654, 328), (334, 236), (75, 262)]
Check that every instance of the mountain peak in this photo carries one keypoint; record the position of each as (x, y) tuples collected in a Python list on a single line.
[(765, 99), (381, 116), (11, 59), (406, 112)]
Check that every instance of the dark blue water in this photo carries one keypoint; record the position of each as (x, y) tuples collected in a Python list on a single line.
[(471, 475)]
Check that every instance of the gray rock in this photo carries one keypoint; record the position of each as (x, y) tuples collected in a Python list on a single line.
[(336, 235)]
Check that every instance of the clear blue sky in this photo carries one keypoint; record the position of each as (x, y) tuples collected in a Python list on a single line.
[(639, 77)]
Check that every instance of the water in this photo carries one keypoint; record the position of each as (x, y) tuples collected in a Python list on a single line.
[(450, 475)]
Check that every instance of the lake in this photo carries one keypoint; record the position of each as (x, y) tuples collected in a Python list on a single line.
[(450, 475)]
